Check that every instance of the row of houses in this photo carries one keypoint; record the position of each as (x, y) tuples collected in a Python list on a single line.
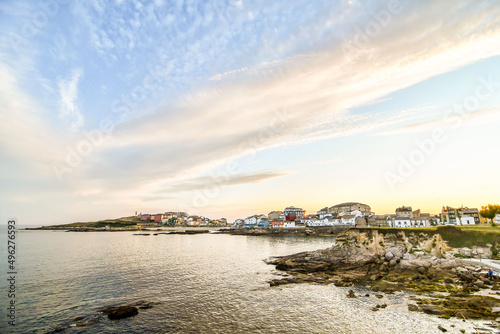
[(347, 214), (179, 219), (361, 215)]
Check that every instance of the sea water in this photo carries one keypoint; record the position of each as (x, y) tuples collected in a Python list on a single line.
[(206, 283)]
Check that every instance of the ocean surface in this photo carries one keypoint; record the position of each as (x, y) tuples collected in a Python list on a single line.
[(210, 283)]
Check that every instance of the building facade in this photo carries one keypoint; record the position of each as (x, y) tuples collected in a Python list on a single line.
[(404, 212), (292, 211), (348, 207), (456, 216)]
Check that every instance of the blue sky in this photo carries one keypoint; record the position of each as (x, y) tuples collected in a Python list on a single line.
[(229, 108)]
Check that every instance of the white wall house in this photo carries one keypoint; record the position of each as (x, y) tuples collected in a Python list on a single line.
[(497, 219), (400, 222), (409, 222), (327, 221), (348, 220), (288, 224), (252, 220), (313, 222), (466, 220)]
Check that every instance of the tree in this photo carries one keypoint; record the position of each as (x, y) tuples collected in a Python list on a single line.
[(490, 211)]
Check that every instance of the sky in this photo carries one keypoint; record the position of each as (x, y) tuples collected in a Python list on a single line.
[(232, 108)]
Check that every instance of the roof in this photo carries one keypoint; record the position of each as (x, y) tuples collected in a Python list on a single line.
[(294, 208), (348, 216), (404, 208), (348, 204)]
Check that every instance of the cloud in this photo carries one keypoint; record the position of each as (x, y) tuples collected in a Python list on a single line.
[(452, 120), (298, 100), (69, 111), (223, 180), (247, 77)]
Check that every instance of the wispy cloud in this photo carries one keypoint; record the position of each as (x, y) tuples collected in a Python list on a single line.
[(237, 78), (198, 183), (447, 121), (69, 110)]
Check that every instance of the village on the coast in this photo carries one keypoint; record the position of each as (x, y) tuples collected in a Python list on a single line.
[(344, 214)]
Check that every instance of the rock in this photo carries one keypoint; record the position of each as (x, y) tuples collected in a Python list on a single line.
[(479, 284), (412, 308), (367, 295), (374, 309), (383, 306), (495, 287), (448, 281), (120, 312), (466, 252), (393, 262), (143, 305), (59, 328), (375, 277), (351, 294), (467, 314), (379, 296), (442, 329), (431, 310), (422, 270), (389, 256)]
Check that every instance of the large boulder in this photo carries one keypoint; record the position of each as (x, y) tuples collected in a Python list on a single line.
[(120, 312)]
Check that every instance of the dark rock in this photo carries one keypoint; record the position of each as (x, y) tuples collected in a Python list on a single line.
[(431, 310), (379, 296), (351, 294), (448, 281), (412, 308), (120, 312), (442, 329), (84, 323), (374, 309), (59, 328), (383, 306), (367, 295)]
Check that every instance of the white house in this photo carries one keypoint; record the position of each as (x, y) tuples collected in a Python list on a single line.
[(238, 222), (252, 220), (497, 219), (348, 220), (313, 222), (466, 220), (289, 223), (409, 222), (400, 222)]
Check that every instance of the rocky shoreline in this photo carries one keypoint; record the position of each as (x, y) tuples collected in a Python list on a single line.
[(444, 284)]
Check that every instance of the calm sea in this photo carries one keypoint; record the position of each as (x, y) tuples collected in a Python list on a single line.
[(208, 283)]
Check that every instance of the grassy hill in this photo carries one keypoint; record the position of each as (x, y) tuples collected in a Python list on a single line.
[(123, 222)]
